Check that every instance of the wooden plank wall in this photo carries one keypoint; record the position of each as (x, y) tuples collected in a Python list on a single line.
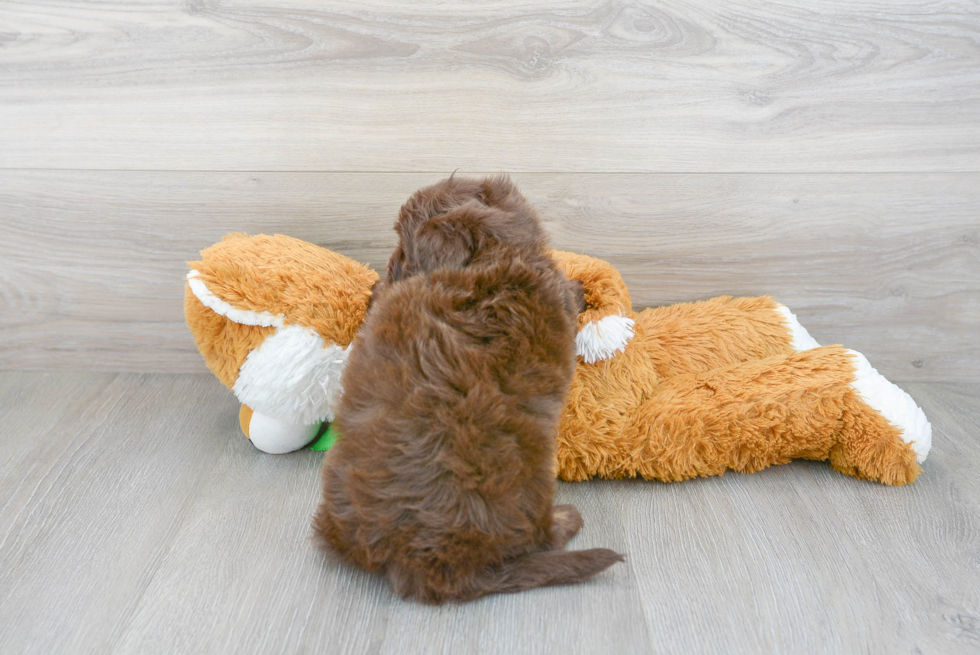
[(827, 153)]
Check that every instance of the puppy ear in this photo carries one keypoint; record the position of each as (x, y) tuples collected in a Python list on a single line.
[(576, 297), (396, 265), (376, 289), (449, 241)]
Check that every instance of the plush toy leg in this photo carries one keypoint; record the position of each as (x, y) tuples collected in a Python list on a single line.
[(874, 411), (270, 435), (694, 337), (748, 416)]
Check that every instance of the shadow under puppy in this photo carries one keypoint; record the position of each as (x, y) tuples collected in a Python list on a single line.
[(443, 479)]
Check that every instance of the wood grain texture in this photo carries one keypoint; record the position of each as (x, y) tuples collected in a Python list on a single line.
[(243, 557), (957, 413), (590, 85), (91, 506), (91, 263), (134, 518)]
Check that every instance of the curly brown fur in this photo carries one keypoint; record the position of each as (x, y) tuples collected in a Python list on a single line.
[(444, 477)]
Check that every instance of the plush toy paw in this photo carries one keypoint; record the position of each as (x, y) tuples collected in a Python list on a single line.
[(894, 404), (884, 435)]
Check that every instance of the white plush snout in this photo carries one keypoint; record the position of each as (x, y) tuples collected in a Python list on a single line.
[(270, 435)]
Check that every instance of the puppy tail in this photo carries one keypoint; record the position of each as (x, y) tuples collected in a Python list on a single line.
[(544, 568)]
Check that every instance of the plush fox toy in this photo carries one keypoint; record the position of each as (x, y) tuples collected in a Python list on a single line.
[(668, 393)]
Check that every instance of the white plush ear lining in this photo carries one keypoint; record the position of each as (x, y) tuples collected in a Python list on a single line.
[(222, 308), (599, 340)]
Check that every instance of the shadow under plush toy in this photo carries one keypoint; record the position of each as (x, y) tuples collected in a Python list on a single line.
[(668, 393)]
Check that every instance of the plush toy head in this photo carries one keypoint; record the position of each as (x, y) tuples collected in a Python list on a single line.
[(274, 317)]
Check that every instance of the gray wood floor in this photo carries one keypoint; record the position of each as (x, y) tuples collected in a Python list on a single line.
[(134, 518)]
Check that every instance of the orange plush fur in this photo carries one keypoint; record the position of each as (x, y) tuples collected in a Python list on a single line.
[(711, 386), (700, 388)]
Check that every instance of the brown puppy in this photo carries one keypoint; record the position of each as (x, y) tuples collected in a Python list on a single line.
[(443, 478)]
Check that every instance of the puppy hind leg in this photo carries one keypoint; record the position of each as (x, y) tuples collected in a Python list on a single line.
[(436, 581), (565, 524)]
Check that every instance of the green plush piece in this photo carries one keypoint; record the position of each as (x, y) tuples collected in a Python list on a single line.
[(326, 439)]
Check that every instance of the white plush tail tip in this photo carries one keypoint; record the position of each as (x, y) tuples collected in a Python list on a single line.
[(604, 338), (894, 404), (801, 338)]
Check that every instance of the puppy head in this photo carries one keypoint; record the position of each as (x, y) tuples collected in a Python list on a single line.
[(448, 224)]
